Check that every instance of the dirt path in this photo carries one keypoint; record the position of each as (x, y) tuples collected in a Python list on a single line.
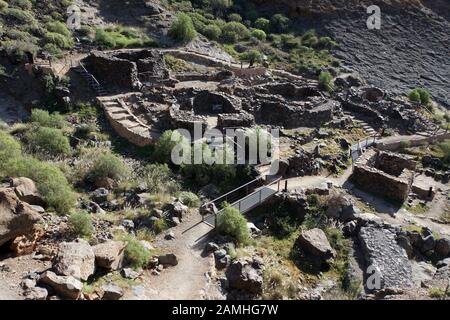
[(187, 280)]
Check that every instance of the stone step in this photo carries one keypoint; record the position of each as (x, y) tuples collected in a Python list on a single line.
[(121, 116)]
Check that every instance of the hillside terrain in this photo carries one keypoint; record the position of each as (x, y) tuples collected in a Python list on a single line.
[(102, 199)]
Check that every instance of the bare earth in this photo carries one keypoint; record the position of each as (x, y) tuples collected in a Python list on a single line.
[(190, 278)]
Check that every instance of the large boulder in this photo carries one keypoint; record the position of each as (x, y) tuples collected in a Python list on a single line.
[(17, 218), (109, 255), (245, 275), (168, 260), (112, 291), (442, 248), (177, 209), (315, 243), (75, 259), (67, 286), (27, 191)]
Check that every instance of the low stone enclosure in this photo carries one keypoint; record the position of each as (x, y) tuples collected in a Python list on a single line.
[(145, 111), (390, 175)]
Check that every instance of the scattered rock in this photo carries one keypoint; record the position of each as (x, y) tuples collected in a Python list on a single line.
[(66, 286), (129, 273), (168, 259), (211, 247), (35, 293), (218, 254), (242, 275), (442, 248), (100, 195), (128, 224), (315, 243), (27, 191), (177, 209), (75, 259), (169, 236), (112, 292), (109, 255), (106, 183), (17, 218)]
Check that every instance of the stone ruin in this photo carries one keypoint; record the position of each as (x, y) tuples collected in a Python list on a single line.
[(153, 100), (387, 174), (128, 70)]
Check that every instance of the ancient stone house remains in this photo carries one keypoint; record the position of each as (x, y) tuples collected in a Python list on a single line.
[(390, 175), (146, 99)]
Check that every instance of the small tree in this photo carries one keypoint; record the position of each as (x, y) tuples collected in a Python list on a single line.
[(263, 24), (252, 56), (219, 6), (48, 141), (212, 32), (182, 28), (232, 223), (280, 23), (108, 165), (259, 34)]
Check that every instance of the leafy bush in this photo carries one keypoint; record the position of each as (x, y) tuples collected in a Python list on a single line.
[(279, 23), (159, 226), (182, 28), (325, 43), (326, 81), (80, 223), (58, 27), (9, 148), (190, 199), (22, 4), (445, 148), (23, 17), (158, 179), (259, 34), (50, 181), (3, 5), (119, 37), (48, 141), (234, 31), (263, 24), (44, 119), (212, 32), (108, 165), (136, 255), (235, 17), (219, 6), (163, 148), (232, 223), (420, 95)]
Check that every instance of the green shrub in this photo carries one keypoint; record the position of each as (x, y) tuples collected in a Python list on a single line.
[(235, 17), (182, 28), (445, 148), (163, 148), (44, 119), (80, 223), (212, 32), (58, 27), (58, 40), (190, 199), (279, 23), (259, 34), (136, 255), (325, 43), (326, 81), (232, 223), (118, 37), (263, 24), (289, 41), (3, 5), (50, 181), (48, 141), (420, 95), (9, 148), (16, 49), (234, 31), (436, 293), (159, 226), (21, 17), (22, 4), (158, 179), (219, 6), (108, 165)]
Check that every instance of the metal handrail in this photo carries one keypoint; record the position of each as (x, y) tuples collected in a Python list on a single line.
[(90, 74)]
